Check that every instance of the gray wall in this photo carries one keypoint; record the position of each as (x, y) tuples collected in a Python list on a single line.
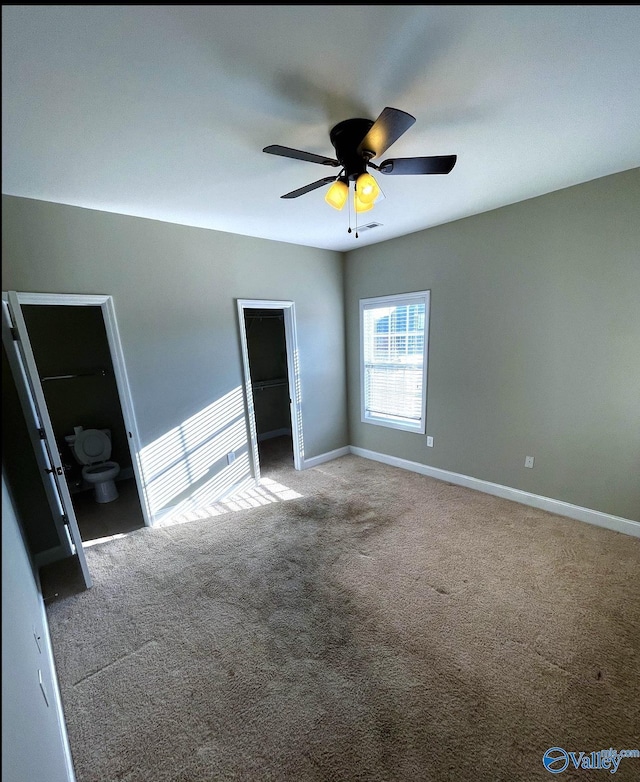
[(34, 741), (534, 343), (174, 291), (534, 329)]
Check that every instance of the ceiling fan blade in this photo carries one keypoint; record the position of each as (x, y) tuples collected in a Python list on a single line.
[(438, 164), (389, 126), (308, 188), (297, 154)]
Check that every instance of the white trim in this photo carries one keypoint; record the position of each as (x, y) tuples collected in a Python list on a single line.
[(66, 299), (248, 397), (293, 372), (57, 699), (314, 461), (126, 402), (559, 507), (105, 302)]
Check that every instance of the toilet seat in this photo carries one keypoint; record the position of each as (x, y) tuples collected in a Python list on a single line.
[(92, 446)]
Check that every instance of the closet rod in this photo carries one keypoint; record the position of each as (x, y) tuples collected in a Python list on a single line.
[(99, 372)]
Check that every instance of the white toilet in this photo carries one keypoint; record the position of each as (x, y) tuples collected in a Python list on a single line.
[(92, 448)]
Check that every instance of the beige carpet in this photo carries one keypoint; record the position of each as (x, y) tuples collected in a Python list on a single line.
[(383, 626)]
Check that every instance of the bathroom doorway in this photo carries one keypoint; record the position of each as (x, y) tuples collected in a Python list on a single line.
[(76, 355), (272, 383)]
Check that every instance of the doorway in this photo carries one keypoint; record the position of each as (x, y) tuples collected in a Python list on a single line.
[(79, 368), (272, 384)]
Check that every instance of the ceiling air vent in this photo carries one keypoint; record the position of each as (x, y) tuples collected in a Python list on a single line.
[(368, 227)]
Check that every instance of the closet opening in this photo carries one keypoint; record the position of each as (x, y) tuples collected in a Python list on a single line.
[(272, 385)]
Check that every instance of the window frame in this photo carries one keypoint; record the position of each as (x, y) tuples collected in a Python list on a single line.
[(418, 297)]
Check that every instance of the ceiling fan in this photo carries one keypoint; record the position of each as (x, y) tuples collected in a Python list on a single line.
[(357, 142)]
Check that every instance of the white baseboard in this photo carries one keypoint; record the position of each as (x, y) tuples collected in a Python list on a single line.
[(314, 461), (616, 523)]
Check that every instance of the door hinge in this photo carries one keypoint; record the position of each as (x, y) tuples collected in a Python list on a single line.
[(42, 434), (14, 334)]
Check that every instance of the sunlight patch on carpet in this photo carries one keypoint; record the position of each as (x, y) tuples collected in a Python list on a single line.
[(106, 539), (268, 492)]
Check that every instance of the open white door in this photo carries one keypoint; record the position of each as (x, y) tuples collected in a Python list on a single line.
[(27, 380)]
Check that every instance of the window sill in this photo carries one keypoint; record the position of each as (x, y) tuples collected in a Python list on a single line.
[(416, 428)]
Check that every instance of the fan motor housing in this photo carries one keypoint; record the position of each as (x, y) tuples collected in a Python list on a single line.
[(346, 137)]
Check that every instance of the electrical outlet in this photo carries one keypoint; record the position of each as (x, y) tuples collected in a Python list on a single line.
[(528, 461), (430, 442), (231, 457)]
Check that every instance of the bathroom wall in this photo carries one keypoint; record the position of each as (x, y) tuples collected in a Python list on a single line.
[(73, 340)]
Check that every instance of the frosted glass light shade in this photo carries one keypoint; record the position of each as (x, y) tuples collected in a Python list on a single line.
[(367, 189), (337, 194), (361, 206)]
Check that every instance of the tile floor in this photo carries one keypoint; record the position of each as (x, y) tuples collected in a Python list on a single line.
[(100, 520)]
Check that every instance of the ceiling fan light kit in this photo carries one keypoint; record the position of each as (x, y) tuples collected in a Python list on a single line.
[(367, 189), (362, 206), (357, 143), (338, 193)]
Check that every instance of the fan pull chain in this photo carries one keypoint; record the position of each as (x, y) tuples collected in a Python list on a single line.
[(355, 194), (356, 211)]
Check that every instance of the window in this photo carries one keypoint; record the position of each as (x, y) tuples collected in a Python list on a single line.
[(394, 334)]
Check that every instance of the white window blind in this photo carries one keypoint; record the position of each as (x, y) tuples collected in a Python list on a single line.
[(394, 331)]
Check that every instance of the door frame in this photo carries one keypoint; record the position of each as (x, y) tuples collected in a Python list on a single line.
[(293, 376), (105, 302)]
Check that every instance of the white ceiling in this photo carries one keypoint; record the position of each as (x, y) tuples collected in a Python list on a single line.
[(162, 111)]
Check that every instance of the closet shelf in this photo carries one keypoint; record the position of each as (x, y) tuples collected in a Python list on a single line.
[(262, 384)]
